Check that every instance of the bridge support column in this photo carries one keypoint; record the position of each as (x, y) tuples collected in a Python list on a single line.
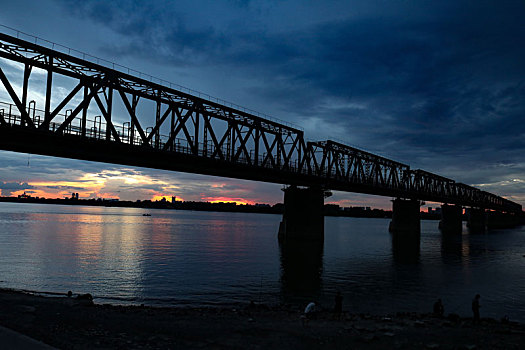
[(451, 219), (405, 227), (497, 219), (303, 216), (476, 220)]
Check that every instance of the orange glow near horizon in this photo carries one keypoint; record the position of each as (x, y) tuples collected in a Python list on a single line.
[(61, 194), (85, 186), (238, 201), (116, 184), (104, 184)]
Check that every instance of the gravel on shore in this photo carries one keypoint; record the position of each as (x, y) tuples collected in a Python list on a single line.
[(70, 323)]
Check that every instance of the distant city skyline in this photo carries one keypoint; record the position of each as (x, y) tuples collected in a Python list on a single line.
[(75, 199), (438, 86)]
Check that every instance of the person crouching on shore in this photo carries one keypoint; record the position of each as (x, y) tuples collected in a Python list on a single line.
[(309, 313)]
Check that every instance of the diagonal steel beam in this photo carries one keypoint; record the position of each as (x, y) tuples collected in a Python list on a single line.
[(184, 129), (159, 123), (207, 126), (290, 154), (94, 88), (242, 146), (182, 121), (23, 113), (221, 143), (269, 150), (133, 116), (107, 116), (65, 101)]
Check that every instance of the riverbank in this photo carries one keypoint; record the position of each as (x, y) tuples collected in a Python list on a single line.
[(68, 323)]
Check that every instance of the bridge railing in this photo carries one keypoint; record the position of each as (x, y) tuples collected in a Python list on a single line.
[(96, 129)]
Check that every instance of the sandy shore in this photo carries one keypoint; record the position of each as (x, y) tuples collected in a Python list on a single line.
[(67, 323)]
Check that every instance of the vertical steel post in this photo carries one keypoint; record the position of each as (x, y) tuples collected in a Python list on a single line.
[(84, 112), (256, 143), (196, 132), (232, 141), (27, 73), (172, 127), (134, 103), (157, 121), (229, 140), (205, 139), (49, 85), (109, 110), (278, 148)]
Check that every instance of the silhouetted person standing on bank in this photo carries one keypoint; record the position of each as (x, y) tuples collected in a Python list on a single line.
[(439, 309), (338, 307), (475, 309)]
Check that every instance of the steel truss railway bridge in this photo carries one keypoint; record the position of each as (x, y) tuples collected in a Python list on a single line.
[(110, 115)]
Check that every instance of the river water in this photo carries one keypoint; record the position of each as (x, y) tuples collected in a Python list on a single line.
[(208, 258)]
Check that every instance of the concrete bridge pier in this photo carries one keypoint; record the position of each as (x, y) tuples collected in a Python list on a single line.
[(497, 219), (476, 220), (303, 216), (451, 219), (405, 226)]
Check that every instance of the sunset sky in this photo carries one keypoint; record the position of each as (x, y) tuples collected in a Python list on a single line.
[(438, 85)]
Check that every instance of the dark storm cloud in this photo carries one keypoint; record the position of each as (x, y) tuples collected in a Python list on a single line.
[(15, 186), (453, 78), (16, 166), (433, 86), (155, 31), (7, 188)]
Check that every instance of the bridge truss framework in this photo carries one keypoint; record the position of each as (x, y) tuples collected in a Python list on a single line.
[(142, 123)]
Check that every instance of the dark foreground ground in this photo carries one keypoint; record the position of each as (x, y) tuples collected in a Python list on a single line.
[(67, 323)]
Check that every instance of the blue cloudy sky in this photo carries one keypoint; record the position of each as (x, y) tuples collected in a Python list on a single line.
[(439, 85)]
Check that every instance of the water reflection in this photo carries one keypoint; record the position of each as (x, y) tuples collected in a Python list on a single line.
[(301, 269), (80, 248), (405, 247), (453, 246), (197, 258)]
